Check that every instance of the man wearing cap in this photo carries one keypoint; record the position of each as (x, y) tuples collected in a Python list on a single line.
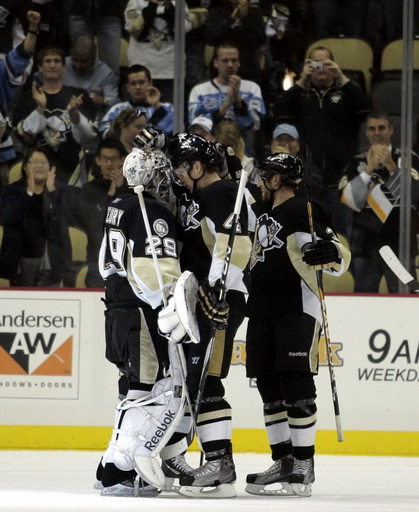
[(285, 139), (202, 126), (227, 97)]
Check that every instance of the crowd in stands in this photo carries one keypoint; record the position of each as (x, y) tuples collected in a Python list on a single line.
[(81, 78)]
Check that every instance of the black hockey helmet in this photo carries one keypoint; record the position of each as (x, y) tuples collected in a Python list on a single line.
[(186, 147), (288, 166)]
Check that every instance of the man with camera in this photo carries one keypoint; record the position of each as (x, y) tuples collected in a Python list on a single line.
[(327, 108)]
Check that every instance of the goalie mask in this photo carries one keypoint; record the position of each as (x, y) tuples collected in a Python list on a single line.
[(288, 166), (185, 148), (149, 168)]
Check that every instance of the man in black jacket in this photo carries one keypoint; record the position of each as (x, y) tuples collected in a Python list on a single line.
[(327, 108)]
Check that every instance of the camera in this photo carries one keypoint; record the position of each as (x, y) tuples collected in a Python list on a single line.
[(317, 65)]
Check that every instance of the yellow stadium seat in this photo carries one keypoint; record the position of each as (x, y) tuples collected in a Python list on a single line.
[(15, 172), (78, 244), (392, 56), (81, 277), (123, 57)]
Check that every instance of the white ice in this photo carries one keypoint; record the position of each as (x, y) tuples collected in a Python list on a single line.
[(50, 481)]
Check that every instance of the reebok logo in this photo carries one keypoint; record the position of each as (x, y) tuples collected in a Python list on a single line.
[(297, 354), (159, 433)]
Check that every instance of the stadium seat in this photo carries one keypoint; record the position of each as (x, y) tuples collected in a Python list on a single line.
[(353, 55), (15, 172), (78, 244), (392, 57), (81, 276)]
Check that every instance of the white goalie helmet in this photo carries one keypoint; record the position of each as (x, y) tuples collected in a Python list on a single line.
[(150, 168)]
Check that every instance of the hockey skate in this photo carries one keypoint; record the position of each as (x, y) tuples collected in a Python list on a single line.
[(214, 479), (273, 481), (302, 477), (174, 469)]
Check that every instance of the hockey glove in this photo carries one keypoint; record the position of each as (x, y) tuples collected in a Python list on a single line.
[(215, 312), (169, 322), (321, 255)]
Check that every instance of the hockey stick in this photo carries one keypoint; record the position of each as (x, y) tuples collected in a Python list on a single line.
[(139, 191), (333, 385), (227, 259), (398, 269)]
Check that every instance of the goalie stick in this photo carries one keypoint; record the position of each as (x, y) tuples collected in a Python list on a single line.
[(398, 269), (338, 420)]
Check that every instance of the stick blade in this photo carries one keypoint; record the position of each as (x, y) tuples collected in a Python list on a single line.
[(397, 268)]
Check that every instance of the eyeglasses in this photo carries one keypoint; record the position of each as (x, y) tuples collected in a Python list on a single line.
[(41, 163), (110, 159)]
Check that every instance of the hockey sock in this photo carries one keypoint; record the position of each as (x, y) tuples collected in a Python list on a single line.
[(302, 416), (276, 424), (214, 424)]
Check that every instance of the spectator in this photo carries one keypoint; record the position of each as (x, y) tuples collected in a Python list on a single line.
[(327, 108), (144, 97), (126, 126), (337, 18), (228, 97), (101, 19), (228, 134), (11, 11), (95, 195), (85, 71), (371, 187), (202, 126), (151, 43), (56, 116), (240, 22), (32, 251), (285, 139), (12, 68), (229, 165)]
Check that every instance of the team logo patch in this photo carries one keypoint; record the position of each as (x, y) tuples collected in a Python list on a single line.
[(265, 238), (161, 228)]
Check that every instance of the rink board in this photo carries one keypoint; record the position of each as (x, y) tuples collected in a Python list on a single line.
[(57, 391)]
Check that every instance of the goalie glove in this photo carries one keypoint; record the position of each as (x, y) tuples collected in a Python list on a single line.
[(215, 312), (321, 255), (169, 322)]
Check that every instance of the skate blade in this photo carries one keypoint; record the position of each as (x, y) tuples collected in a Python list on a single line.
[(274, 489), (220, 491), (171, 485), (118, 490), (302, 490)]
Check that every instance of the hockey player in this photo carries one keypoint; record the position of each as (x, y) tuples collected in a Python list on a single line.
[(205, 211), (133, 300), (285, 322)]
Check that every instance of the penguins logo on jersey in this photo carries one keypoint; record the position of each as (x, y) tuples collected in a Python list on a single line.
[(188, 212), (265, 238), (161, 228)]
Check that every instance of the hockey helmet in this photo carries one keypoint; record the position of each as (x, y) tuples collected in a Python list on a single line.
[(288, 166), (186, 147), (149, 168)]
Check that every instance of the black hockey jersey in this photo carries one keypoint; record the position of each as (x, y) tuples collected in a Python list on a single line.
[(206, 222), (281, 282), (125, 259)]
